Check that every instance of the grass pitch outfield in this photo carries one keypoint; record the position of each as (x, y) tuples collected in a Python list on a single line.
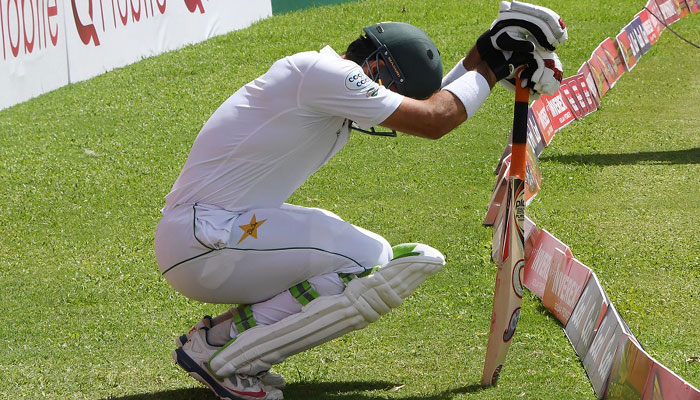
[(84, 169)]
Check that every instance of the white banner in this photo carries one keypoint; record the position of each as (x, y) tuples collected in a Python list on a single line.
[(32, 49), (105, 34), (49, 43)]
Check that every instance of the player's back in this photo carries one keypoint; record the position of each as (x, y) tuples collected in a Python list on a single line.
[(261, 144)]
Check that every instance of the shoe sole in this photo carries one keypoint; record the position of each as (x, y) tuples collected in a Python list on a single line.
[(197, 372)]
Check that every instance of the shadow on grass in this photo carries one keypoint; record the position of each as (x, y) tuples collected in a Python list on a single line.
[(310, 391), (688, 156)]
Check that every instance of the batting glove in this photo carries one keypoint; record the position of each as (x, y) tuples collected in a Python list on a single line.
[(542, 77), (502, 63), (523, 27)]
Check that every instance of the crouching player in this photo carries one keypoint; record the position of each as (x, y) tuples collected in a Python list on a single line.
[(302, 276)]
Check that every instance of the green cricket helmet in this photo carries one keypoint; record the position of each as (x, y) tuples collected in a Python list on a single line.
[(411, 61)]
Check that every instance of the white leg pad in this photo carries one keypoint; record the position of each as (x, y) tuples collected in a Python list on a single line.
[(364, 300)]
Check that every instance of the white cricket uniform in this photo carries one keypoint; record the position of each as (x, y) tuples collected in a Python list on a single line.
[(227, 235)]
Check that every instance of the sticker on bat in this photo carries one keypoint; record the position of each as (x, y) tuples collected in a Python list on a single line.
[(496, 374), (508, 334), (517, 281)]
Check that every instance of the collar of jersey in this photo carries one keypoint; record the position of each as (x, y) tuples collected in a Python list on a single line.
[(329, 51)]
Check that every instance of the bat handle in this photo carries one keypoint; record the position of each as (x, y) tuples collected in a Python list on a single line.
[(522, 94), (520, 110)]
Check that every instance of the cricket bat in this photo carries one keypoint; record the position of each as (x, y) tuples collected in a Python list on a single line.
[(508, 294)]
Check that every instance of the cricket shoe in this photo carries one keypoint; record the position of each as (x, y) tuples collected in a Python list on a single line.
[(204, 323), (193, 357), (266, 377)]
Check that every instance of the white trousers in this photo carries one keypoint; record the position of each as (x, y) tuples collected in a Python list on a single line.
[(213, 255)]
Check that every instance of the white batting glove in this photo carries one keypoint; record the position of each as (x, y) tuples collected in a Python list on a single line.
[(523, 27), (547, 77), (544, 78)]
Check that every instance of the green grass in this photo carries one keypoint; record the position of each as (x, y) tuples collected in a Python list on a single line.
[(84, 170)]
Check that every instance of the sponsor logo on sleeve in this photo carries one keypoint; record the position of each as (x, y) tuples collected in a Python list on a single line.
[(357, 80)]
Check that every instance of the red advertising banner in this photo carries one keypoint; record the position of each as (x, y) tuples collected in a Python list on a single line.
[(693, 6), (577, 89), (612, 52), (682, 8), (559, 112), (669, 10), (570, 97), (587, 92), (587, 316), (533, 175), (636, 32), (598, 72), (589, 79), (606, 54), (629, 372), (651, 24), (548, 251), (633, 42), (663, 384), (628, 49), (564, 287), (543, 121), (551, 113)]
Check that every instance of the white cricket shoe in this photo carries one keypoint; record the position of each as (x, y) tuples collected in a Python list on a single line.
[(204, 323), (266, 377), (193, 357)]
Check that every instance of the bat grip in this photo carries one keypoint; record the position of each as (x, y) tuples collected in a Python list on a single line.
[(520, 110)]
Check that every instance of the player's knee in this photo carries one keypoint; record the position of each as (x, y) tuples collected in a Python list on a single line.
[(377, 248), (328, 284)]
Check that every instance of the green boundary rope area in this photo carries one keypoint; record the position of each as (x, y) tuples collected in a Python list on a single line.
[(284, 6)]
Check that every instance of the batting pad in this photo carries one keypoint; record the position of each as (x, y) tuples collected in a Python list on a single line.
[(364, 300)]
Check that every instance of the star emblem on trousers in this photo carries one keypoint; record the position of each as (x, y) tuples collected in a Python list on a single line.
[(251, 229)]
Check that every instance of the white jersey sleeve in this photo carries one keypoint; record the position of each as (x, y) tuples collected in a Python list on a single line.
[(339, 87)]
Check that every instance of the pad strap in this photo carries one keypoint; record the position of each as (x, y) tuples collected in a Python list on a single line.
[(346, 278), (304, 293), (243, 319)]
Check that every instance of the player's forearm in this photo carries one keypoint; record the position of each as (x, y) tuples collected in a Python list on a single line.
[(446, 109), (431, 118), (472, 59)]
